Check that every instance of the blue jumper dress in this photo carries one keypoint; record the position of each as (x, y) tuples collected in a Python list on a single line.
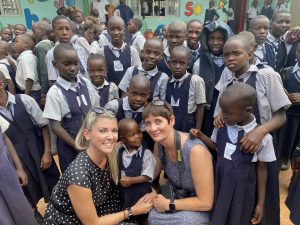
[(29, 146), (163, 66), (12, 75), (113, 74), (66, 153), (104, 95), (184, 120)]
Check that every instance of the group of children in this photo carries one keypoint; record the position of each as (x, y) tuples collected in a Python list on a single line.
[(234, 89)]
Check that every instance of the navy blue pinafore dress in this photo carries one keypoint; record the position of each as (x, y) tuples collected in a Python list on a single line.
[(104, 95)]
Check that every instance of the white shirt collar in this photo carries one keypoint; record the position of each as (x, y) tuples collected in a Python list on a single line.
[(151, 73), (296, 68), (66, 84), (43, 41), (252, 68), (105, 83), (134, 152), (248, 127), (115, 48), (126, 106), (181, 79), (24, 53), (136, 34)]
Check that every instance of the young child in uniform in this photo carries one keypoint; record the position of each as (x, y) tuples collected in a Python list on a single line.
[(136, 165), (185, 92), (175, 37), (134, 27), (26, 74), (151, 54), (235, 175), (68, 101), (269, 110), (29, 133), (19, 29), (119, 56), (289, 134), (97, 70), (194, 28), (210, 66), (6, 34)]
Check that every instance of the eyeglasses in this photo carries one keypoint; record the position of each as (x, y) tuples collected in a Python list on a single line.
[(100, 110), (161, 103)]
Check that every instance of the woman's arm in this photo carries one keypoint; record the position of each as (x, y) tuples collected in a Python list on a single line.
[(82, 202), (61, 133), (158, 161)]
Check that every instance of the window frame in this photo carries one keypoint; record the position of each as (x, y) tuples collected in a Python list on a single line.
[(17, 8)]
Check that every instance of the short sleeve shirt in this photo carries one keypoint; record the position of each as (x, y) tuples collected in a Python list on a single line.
[(84, 173)]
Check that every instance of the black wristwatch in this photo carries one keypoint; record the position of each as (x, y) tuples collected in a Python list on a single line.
[(172, 205), (130, 213)]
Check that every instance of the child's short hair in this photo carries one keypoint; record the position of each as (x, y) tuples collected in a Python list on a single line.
[(21, 25), (61, 11), (137, 22), (255, 19), (194, 20), (57, 18), (123, 125), (158, 108), (44, 25), (178, 24), (275, 15), (241, 93), (62, 47), (4, 46), (29, 39), (96, 57), (180, 49), (248, 38), (95, 13)]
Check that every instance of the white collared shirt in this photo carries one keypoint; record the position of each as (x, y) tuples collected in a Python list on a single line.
[(138, 41), (113, 90), (27, 69), (100, 6), (3, 68), (57, 107), (296, 70), (265, 152), (159, 91)]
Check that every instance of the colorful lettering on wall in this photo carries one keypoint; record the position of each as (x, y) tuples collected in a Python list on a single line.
[(59, 3), (30, 18), (191, 9)]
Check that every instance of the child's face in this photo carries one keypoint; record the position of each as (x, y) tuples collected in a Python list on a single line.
[(116, 31), (175, 38), (132, 28), (20, 45), (232, 114), (281, 24), (236, 58), (89, 35), (38, 33), (19, 30), (164, 31), (178, 63), (6, 34), (97, 71), (215, 42), (152, 54), (67, 65), (78, 18), (62, 30), (193, 31), (137, 96), (260, 30), (133, 137)]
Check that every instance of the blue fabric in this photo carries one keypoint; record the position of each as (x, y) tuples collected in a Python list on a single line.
[(125, 12)]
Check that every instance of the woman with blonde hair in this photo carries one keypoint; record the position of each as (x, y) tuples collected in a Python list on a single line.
[(87, 192)]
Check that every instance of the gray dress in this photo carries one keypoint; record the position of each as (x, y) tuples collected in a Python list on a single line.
[(180, 217)]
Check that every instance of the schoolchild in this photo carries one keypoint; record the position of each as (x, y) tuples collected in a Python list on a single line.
[(269, 111), (104, 38), (43, 45), (292, 40), (6, 34), (194, 28), (68, 102), (210, 66), (63, 32), (79, 18), (151, 54), (164, 35), (119, 56), (185, 92), (97, 70), (29, 133), (6, 68), (238, 177), (19, 29), (134, 27), (289, 134), (136, 165), (280, 24), (26, 74), (175, 37)]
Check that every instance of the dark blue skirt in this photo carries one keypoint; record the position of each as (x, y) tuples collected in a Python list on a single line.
[(293, 200)]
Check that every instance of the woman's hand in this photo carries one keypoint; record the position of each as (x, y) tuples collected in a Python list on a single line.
[(142, 206), (161, 204), (150, 197), (258, 214)]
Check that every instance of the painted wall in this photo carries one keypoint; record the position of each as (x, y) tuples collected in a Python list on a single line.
[(295, 6)]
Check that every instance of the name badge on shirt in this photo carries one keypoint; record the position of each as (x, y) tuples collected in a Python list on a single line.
[(175, 103), (118, 66), (229, 149)]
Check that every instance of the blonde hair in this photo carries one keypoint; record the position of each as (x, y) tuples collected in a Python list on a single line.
[(82, 144)]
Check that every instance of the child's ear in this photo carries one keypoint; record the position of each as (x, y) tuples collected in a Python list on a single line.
[(249, 109), (54, 63)]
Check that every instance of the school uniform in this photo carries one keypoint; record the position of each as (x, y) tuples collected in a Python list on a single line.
[(107, 92), (158, 81), (14, 207), (162, 65), (9, 73), (27, 69), (235, 176), (25, 118), (265, 53), (194, 55), (41, 50), (69, 103), (184, 95), (119, 60), (137, 41), (270, 98), (139, 162), (104, 38), (291, 56), (267, 11), (82, 56), (289, 134)]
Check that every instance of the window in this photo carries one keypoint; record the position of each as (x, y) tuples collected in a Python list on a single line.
[(10, 7), (154, 7)]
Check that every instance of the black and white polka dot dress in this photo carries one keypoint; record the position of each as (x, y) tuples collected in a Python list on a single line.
[(83, 172)]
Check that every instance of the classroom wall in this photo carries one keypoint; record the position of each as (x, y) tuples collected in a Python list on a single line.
[(295, 6)]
